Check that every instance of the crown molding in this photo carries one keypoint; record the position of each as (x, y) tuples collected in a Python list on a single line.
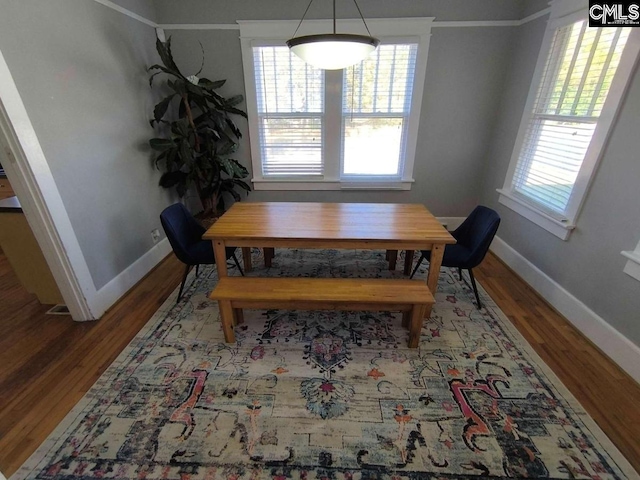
[(236, 26), (127, 12)]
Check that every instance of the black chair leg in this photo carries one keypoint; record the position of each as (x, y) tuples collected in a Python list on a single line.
[(460, 273), (197, 270), (184, 279), (235, 259), (417, 266), (475, 288)]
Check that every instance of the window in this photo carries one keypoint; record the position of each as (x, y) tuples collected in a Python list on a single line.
[(582, 76), (376, 104), (290, 101), (351, 128)]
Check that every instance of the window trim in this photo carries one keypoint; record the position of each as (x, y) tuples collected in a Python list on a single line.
[(270, 32), (562, 14)]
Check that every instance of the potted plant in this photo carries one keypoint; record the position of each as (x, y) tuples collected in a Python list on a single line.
[(199, 136)]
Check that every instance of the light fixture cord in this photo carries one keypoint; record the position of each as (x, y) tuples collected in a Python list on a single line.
[(305, 14), (361, 16)]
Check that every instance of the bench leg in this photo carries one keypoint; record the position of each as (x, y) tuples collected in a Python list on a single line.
[(408, 261), (417, 313), (269, 253), (246, 258), (406, 318), (226, 316), (238, 316), (393, 257)]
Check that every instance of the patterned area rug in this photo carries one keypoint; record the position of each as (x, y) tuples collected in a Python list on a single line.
[(327, 395)]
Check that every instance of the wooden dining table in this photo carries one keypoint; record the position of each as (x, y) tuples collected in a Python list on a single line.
[(372, 226)]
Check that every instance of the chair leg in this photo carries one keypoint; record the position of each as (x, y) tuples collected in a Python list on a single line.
[(184, 279), (197, 270), (475, 288), (417, 266), (460, 273), (235, 259)]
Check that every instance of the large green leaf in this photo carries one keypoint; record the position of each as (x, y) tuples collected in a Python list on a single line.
[(161, 108), (164, 50), (238, 168), (180, 127), (237, 111), (161, 144), (152, 77), (234, 128), (171, 179), (202, 65), (235, 100), (163, 69), (242, 184), (186, 154), (209, 85)]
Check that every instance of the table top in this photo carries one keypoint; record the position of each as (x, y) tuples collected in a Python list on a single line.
[(392, 222)]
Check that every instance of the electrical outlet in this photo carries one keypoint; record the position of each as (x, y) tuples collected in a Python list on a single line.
[(155, 235)]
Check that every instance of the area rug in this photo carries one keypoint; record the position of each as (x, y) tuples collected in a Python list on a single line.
[(327, 395)]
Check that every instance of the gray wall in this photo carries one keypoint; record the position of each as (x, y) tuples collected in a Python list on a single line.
[(221, 11), (80, 70), (463, 87), (589, 264), (144, 8)]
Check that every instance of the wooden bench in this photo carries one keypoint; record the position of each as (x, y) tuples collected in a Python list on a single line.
[(412, 297)]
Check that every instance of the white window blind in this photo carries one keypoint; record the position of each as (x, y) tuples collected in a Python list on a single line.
[(290, 101), (376, 105), (575, 82)]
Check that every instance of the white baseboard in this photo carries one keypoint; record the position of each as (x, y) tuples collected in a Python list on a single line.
[(618, 347), (112, 291)]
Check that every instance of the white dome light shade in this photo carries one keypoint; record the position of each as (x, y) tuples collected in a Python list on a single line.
[(333, 51)]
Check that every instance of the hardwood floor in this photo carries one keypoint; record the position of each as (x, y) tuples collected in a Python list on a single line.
[(47, 363)]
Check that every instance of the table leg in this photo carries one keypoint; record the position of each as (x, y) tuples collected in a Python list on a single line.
[(246, 258), (393, 257), (238, 315), (415, 326), (226, 317), (437, 250), (268, 256), (221, 258), (408, 261)]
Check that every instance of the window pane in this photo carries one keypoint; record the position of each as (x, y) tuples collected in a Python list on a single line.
[(290, 97), (382, 83), (580, 70), (554, 161), (291, 146), (574, 86), (372, 146), (376, 104)]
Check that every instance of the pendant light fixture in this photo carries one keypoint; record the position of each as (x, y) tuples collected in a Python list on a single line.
[(333, 51)]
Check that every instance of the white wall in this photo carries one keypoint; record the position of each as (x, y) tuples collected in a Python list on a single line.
[(80, 69)]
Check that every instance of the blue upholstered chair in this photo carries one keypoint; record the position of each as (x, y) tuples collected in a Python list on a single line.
[(473, 238), (185, 236)]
